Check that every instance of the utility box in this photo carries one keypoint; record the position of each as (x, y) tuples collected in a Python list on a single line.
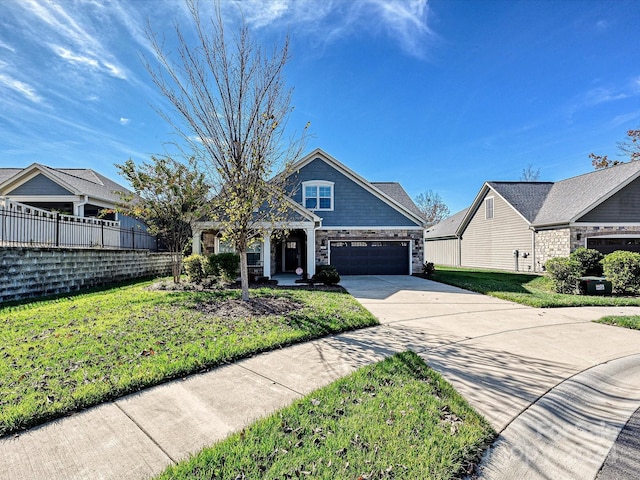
[(595, 286)]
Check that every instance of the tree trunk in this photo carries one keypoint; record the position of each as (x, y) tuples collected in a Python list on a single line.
[(176, 266), (244, 275)]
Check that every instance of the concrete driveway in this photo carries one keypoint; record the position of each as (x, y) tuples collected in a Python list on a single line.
[(558, 387)]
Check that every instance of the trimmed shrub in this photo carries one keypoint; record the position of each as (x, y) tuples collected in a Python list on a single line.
[(622, 269), (565, 273), (194, 265), (225, 265), (327, 274), (428, 268), (590, 260)]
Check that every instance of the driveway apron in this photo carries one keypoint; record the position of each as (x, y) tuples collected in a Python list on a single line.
[(558, 387)]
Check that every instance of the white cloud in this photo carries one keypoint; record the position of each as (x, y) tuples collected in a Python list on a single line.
[(74, 34), (21, 87), (7, 47), (125, 121), (405, 21)]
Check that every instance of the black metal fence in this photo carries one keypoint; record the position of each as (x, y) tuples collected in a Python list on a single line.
[(23, 225)]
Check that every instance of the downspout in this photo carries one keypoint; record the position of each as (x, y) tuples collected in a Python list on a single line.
[(533, 247)]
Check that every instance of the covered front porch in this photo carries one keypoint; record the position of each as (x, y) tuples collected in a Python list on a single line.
[(278, 251)]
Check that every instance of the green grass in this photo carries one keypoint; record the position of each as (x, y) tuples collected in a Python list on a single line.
[(526, 289), (632, 321), (66, 354), (394, 419)]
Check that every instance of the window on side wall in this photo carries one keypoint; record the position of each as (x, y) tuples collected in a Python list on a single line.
[(317, 195), (488, 208)]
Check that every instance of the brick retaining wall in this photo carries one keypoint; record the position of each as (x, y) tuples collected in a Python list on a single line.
[(34, 272)]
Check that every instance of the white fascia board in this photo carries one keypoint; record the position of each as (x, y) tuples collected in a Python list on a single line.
[(471, 211), (44, 198), (416, 228), (33, 170), (359, 180)]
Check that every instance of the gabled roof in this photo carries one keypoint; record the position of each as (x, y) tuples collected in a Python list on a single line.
[(526, 198), (446, 228), (396, 203), (546, 203), (570, 199), (80, 181)]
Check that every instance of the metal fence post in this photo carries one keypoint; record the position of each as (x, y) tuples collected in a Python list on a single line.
[(57, 229)]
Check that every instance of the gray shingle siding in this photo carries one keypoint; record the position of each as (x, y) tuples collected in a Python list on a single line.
[(354, 206), (40, 186)]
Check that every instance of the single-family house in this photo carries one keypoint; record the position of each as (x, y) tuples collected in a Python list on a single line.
[(81, 192), (520, 225), (336, 218)]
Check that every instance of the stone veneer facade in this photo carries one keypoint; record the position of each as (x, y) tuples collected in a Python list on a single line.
[(550, 244), (415, 236), (562, 241)]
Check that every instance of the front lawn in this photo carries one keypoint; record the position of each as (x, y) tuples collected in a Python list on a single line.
[(62, 355), (395, 419), (526, 289), (632, 322)]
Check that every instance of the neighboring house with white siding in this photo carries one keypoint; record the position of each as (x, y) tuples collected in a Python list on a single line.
[(81, 192), (520, 225)]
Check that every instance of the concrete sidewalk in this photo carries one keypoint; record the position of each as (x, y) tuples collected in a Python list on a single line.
[(511, 362)]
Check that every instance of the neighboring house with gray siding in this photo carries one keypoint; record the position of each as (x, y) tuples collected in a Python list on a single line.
[(81, 192), (338, 218), (520, 225)]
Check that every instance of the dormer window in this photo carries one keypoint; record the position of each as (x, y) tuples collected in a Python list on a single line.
[(317, 195)]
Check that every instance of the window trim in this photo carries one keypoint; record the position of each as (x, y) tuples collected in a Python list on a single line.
[(318, 184), (486, 208), (251, 250)]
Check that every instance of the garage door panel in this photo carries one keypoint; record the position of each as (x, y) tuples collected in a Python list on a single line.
[(370, 257)]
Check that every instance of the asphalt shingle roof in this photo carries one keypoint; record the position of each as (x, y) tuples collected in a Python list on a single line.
[(526, 197), (396, 192), (548, 203), (447, 227), (568, 198), (84, 180)]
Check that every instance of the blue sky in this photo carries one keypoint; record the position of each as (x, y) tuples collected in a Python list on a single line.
[(438, 95)]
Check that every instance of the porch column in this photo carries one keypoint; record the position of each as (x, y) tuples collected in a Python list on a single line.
[(266, 255), (196, 247), (311, 251)]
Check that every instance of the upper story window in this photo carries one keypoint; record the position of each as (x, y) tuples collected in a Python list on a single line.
[(488, 208), (317, 195)]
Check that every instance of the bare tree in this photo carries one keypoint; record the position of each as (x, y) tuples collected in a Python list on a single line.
[(233, 106), (630, 148), (530, 174), (433, 208)]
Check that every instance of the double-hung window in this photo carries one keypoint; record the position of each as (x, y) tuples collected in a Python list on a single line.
[(317, 195), (254, 252)]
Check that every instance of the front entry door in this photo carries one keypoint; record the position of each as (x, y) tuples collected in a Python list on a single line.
[(291, 255)]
